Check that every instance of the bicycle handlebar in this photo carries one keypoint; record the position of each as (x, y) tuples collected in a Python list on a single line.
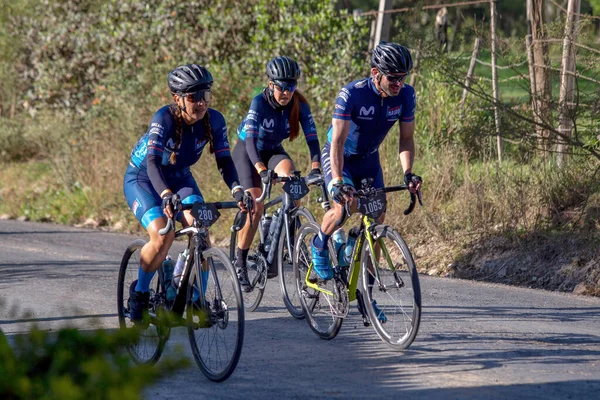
[(372, 191), (178, 206), (266, 188)]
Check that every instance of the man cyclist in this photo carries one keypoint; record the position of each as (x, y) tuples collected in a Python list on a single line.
[(365, 111)]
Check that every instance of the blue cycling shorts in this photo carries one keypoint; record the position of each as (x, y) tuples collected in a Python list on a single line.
[(356, 168), (143, 200)]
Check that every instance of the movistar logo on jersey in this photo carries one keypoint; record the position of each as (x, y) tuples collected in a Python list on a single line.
[(268, 123), (366, 113), (370, 111)]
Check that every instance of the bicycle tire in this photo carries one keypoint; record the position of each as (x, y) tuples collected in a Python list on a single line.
[(397, 293), (287, 279), (320, 320), (220, 318), (256, 273), (152, 338)]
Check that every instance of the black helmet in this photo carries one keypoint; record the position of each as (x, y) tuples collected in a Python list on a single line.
[(189, 78), (391, 58), (283, 68)]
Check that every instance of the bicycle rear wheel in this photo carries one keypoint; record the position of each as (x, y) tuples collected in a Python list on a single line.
[(215, 321), (151, 342), (287, 279), (391, 289), (257, 270), (320, 309)]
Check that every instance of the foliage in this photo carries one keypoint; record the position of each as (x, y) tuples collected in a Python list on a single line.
[(75, 365)]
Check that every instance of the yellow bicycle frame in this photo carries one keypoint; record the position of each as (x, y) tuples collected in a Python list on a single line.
[(355, 265)]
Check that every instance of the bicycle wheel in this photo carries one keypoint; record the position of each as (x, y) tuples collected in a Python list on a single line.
[(320, 309), (215, 321), (391, 290), (287, 279), (152, 337), (257, 270)]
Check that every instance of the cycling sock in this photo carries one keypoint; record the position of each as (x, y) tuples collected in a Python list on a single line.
[(320, 240), (205, 280), (144, 279), (241, 255), (371, 283)]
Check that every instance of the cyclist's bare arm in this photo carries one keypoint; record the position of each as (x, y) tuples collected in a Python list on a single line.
[(339, 134), (406, 147)]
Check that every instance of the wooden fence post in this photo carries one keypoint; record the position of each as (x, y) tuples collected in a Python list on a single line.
[(417, 57), (372, 35), (499, 143), (471, 71), (383, 21), (567, 80)]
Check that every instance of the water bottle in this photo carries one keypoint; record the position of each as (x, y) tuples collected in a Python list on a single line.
[(352, 236), (179, 267), (272, 226), (266, 225), (167, 268), (274, 231), (339, 240)]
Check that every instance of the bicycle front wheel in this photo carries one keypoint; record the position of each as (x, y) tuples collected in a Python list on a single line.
[(148, 348), (287, 279), (391, 288), (319, 300), (215, 315)]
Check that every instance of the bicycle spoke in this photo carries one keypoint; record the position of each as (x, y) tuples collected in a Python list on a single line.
[(216, 344), (392, 289)]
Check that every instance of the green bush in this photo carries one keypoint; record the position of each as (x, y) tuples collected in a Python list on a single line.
[(75, 365)]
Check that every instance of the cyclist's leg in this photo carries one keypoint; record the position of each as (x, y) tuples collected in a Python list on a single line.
[(320, 252), (146, 206), (188, 191), (281, 163), (251, 182), (374, 172)]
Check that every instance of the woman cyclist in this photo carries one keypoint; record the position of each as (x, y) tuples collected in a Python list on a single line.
[(274, 115), (160, 168)]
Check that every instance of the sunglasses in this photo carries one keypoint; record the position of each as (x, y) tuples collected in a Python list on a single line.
[(395, 79), (282, 86), (200, 95)]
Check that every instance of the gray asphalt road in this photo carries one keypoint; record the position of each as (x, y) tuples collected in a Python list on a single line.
[(476, 340)]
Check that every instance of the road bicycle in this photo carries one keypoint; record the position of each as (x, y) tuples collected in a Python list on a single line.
[(390, 294), (272, 247), (208, 298)]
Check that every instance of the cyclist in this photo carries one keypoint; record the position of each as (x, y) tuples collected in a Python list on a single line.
[(160, 165), (365, 111), (274, 115)]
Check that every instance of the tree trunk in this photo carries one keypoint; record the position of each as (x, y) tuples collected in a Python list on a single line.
[(499, 142), (567, 80), (542, 90)]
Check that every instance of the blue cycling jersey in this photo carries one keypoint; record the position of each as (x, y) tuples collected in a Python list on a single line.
[(270, 127), (158, 143), (371, 116)]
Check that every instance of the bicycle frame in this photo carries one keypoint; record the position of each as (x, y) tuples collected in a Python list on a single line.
[(287, 206), (197, 235), (367, 225), (197, 243)]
